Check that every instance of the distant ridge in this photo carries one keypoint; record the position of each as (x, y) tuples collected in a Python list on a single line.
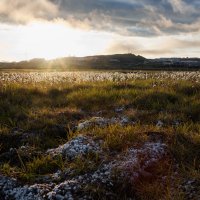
[(106, 62)]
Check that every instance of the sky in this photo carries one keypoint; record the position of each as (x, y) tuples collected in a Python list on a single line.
[(58, 28)]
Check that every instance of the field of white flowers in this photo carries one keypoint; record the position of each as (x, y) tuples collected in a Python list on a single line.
[(77, 77)]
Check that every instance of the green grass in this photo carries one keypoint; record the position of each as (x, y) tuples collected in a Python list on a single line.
[(118, 138), (49, 113), (44, 165), (85, 164), (22, 106), (36, 167), (186, 145)]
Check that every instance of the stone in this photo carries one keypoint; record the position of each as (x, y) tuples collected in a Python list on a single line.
[(81, 145), (159, 123), (150, 153)]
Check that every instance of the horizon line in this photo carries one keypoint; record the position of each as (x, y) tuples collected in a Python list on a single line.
[(74, 56)]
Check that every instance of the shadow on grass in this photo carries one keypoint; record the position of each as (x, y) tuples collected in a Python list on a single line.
[(44, 109), (187, 151), (158, 101)]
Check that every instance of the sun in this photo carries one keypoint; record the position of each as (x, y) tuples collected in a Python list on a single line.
[(51, 40), (48, 40)]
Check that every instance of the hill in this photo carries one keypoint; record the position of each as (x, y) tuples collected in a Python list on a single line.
[(107, 62)]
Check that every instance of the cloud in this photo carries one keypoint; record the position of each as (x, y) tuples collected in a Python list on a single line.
[(152, 47), (132, 17), (126, 17), (121, 48), (181, 7), (134, 47), (23, 11)]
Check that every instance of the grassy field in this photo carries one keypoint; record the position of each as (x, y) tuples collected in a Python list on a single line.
[(38, 113)]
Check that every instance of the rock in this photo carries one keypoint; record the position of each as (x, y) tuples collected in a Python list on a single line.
[(23, 147), (191, 189), (159, 124), (10, 189), (124, 120), (120, 109), (78, 146), (102, 122), (141, 159), (59, 197), (176, 123), (131, 166), (56, 176), (95, 121)]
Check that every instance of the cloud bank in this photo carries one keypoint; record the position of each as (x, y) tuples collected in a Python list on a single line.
[(126, 17)]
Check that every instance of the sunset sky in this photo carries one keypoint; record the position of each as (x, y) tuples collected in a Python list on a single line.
[(57, 28)]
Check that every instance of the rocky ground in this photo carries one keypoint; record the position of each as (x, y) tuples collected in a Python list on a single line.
[(132, 166), (116, 173)]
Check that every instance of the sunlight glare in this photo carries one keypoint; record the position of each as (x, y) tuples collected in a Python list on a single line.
[(48, 40), (52, 40)]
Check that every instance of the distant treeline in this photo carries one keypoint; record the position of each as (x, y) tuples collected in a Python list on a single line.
[(106, 62)]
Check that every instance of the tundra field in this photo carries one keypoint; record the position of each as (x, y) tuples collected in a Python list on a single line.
[(100, 135)]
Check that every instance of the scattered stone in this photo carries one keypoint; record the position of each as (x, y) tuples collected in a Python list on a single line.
[(131, 166), (57, 176), (159, 124), (102, 122), (120, 109), (176, 123), (124, 120), (191, 189), (95, 121), (10, 189), (80, 145)]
